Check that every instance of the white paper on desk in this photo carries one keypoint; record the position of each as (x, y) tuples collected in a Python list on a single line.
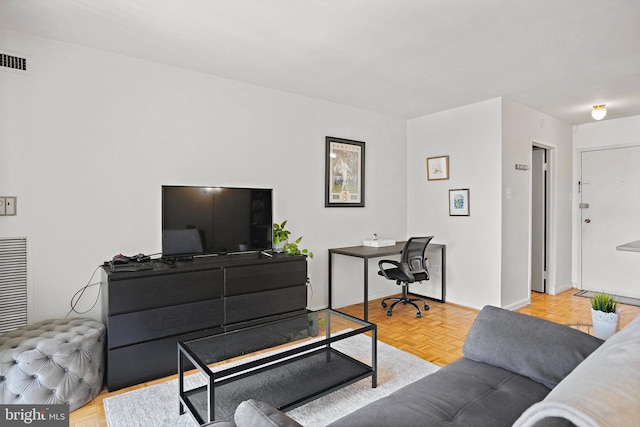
[(379, 243)]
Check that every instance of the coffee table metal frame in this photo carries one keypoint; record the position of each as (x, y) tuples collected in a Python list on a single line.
[(264, 361)]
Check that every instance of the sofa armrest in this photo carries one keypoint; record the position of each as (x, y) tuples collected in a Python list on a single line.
[(253, 413), (536, 348), (603, 391)]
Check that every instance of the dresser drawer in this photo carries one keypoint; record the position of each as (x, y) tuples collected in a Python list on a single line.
[(135, 364), (143, 293), (260, 304), (130, 328), (263, 277)]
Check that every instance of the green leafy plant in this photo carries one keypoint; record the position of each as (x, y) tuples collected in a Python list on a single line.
[(281, 234), (293, 249), (604, 302)]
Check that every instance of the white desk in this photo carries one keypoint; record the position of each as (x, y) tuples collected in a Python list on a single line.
[(630, 247)]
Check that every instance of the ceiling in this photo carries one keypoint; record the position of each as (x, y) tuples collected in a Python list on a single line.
[(406, 58)]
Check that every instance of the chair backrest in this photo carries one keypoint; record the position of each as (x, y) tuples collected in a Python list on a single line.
[(413, 253)]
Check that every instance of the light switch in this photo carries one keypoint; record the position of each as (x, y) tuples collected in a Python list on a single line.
[(9, 205), (2, 206), (508, 193)]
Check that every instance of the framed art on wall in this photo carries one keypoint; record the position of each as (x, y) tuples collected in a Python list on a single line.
[(459, 202), (437, 168), (344, 173)]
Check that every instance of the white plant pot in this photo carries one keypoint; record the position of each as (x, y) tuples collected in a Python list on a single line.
[(278, 247), (604, 324)]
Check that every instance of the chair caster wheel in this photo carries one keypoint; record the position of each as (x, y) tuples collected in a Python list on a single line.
[(426, 307), (384, 304), (389, 313), (418, 315)]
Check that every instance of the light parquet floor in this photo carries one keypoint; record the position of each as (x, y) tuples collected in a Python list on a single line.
[(436, 337)]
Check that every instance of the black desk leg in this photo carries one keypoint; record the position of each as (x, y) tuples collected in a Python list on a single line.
[(330, 271), (366, 290)]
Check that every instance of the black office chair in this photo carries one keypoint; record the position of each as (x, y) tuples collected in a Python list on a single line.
[(411, 268)]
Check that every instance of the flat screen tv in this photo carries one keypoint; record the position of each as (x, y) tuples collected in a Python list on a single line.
[(215, 220)]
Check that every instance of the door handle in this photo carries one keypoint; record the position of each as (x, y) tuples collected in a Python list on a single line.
[(587, 221)]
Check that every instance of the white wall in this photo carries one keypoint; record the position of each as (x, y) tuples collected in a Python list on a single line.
[(606, 133), (89, 137), (488, 253), (471, 137), (521, 127)]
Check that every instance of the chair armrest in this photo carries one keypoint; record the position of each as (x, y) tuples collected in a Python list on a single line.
[(387, 261), (423, 262), (403, 268)]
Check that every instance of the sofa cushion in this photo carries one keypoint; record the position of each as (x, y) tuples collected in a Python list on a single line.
[(464, 393), (536, 348)]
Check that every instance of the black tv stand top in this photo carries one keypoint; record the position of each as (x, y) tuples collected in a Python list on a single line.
[(198, 263)]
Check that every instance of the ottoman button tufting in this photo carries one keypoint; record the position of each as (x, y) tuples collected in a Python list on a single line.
[(40, 340)]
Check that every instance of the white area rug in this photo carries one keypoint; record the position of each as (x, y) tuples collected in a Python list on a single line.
[(157, 405)]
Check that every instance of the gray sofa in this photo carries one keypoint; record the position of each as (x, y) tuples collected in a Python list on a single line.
[(516, 369)]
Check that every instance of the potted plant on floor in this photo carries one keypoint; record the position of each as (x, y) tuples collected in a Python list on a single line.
[(604, 315), (281, 241)]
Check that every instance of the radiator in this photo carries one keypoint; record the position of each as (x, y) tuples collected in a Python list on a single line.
[(13, 283)]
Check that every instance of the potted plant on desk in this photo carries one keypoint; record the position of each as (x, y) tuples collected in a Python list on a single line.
[(604, 315)]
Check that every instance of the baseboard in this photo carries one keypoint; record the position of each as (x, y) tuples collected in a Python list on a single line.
[(562, 288), (518, 304), (464, 303), (356, 300)]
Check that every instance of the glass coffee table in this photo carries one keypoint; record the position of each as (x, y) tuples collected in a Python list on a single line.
[(285, 363)]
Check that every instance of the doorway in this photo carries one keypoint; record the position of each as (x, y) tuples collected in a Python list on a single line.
[(539, 217), (609, 190)]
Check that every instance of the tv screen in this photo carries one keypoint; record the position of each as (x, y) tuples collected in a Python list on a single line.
[(215, 220)]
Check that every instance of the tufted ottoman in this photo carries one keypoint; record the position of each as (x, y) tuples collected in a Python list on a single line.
[(52, 362)]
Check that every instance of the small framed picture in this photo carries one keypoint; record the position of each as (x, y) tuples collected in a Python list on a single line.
[(437, 168), (459, 202)]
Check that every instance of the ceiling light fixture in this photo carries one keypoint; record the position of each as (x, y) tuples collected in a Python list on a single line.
[(598, 112)]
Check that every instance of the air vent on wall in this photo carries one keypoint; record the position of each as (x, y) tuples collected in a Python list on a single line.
[(13, 62), (13, 283)]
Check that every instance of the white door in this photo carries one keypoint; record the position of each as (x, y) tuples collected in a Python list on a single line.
[(538, 219), (610, 216)]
